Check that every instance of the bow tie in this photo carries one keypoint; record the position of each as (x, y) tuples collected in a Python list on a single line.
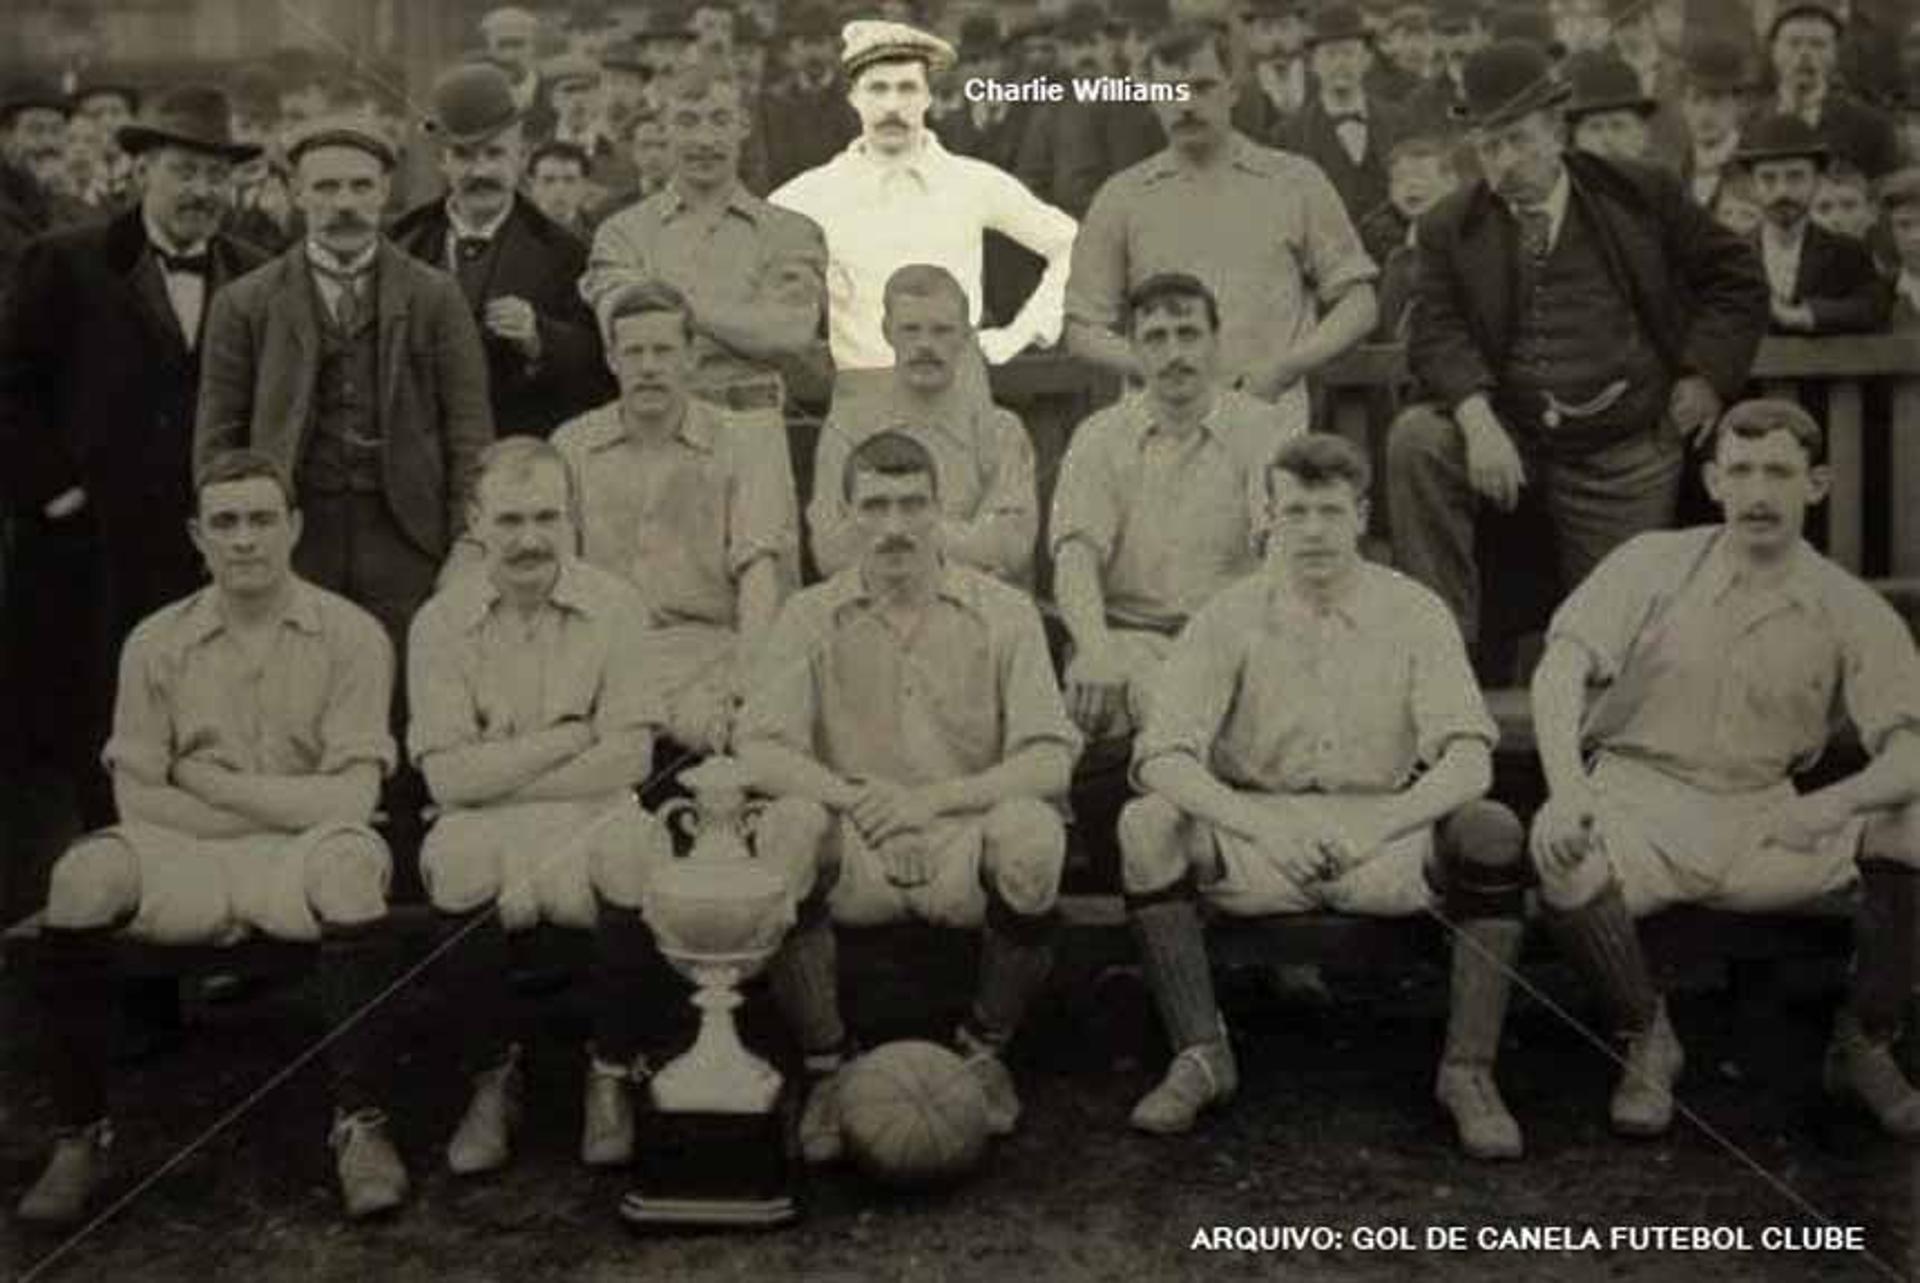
[(175, 264), (469, 248)]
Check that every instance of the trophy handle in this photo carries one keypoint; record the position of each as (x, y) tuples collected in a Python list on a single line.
[(750, 812), (682, 820)]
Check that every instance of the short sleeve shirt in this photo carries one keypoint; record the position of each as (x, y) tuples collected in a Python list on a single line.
[(751, 254), (1275, 694), (1173, 520), (682, 521), (1729, 689), (477, 671), (970, 687), (1265, 231), (316, 701)]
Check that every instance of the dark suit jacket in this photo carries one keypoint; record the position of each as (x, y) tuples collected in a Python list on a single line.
[(1840, 284), (540, 261), (1362, 187), (1698, 289), (1854, 131), (1257, 115), (997, 143), (1072, 147), (262, 352), (98, 389)]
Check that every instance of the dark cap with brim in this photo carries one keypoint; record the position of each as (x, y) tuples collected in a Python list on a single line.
[(341, 131), (1781, 137), (196, 117), (1505, 81)]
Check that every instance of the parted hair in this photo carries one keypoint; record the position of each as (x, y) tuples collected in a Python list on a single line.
[(640, 298), (1764, 416), (1321, 458), (891, 453), (1160, 288), (924, 280), (559, 149), (242, 464), (517, 456)]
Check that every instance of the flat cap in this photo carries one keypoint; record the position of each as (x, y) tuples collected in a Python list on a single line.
[(360, 132), (570, 69), (867, 41), (510, 20)]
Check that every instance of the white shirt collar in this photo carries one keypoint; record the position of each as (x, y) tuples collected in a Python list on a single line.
[(1908, 287), (459, 226), (1712, 158), (1810, 113), (326, 258), (920, 162), (160, 240)]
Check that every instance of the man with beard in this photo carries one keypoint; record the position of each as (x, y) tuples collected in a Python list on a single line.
[(989, 515), (33, 144), (516, 267), (99, 371), (1345, 127), (1575, 324), (358, 368), (1804, 46), (896, 196), (1821, 282), (1458, 32), (751, 273), (907, 722), (532, 720), (1071, 147), (808, 118), (1683, 686), (108, 107), (1274, 34), (1263, 230), (511, 37)]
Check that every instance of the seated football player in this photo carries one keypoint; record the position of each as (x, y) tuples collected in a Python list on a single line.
[(1682, 687), (936, 393), (906, 718), (685, 502), (532, 721), (1158, 504), (249, 741), (1316, 741)]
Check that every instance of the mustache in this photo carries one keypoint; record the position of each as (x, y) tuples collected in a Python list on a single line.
[(1179, 367), (349, 222), (529, 558), (482, 183), (896, 543)]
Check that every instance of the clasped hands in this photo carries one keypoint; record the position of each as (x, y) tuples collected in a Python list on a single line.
[(894, 820)]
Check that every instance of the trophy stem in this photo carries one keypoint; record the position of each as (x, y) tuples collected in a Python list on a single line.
[(717, 1074)]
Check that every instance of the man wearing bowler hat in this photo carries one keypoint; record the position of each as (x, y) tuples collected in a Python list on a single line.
[(1577, 322), (1344, 127), (1608, 114), (1804, 47), (1821, 282), (1713, 94), (1273, 34), (1403, 65), (359, 370), (511, 36), (808, 117), (99, 371), (516, 267)]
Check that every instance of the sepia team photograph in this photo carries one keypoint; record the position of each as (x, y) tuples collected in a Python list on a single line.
[(932, 640)]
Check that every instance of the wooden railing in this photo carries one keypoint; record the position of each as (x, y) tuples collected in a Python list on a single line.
[(1865, 389)]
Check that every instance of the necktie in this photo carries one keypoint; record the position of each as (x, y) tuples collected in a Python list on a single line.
[(469, 248), (1350, 127), (1536, 231), (346, 305), (196, 264)]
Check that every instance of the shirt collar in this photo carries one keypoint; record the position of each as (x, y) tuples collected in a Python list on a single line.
[(1908, 287), (739, 201), (849, 589), (1147, 422), (1712, 159), (922, 164), (699, 425), (160, 241), (1781, 242), (332, 265), (206, 620), (1354, 607), (1240, 153), (1797, 585), (1555, 205), (477, 594), (1813, 111), (459, 227)]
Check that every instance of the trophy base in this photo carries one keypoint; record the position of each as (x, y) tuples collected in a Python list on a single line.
[(698, 1170)]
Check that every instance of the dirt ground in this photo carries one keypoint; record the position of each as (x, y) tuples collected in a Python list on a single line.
[(1333, 1128)]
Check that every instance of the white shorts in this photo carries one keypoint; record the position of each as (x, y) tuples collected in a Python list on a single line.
[(534, 859), (1671, 843), (955, 897), (1392, 883), (219, 890)]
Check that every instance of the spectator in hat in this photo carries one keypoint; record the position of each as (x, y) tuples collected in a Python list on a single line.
[(1520, 20), (1821, 282), (577, 91), (1263, 230), (1344, 127), (1458, 33), (1403, 62), (1575, 323), (624, 77), (809, 120), (511, 37), (1273, 35), (33, 147), (516, 267), (359, 369), (1900, 212), (985, 130), (1712, 101), (1803, 46), (1071, 147), (1608, 112), (896, 196), (650, 149), (1137, 24), (1843, 202), (106, 106)]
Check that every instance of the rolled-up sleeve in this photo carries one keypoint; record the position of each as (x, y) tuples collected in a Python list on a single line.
[(618, 257), (1606, 612), (441, 710), (142, 740), (762, 520), (1193, 690), (1097, 283), (1034, 712), (1334, 256), (1880, 680), (355, 727)]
